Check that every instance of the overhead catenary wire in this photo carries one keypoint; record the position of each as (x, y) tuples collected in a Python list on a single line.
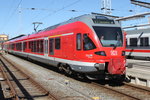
[(5, 19), (73, 3), (10, 17), (52, 2), (56, 11)]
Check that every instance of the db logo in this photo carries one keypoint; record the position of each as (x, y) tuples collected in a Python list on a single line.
[(113, 52)]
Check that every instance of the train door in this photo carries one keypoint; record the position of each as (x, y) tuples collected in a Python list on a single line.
[(51, 46), (51, 51), (79, 47), (46, 46), (68, 48), (58, 47)]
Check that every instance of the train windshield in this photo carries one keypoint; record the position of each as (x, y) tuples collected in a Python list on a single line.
[(109, 36)]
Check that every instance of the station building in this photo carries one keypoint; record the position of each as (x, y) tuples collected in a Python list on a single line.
[(3, 38)]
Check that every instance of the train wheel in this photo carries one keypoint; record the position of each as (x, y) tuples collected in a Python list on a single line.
[(80, 76), (68, 70), (65, 68), (60, 67)]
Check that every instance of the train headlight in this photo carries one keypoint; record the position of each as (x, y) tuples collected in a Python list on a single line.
[(123, 53), (102, 53)]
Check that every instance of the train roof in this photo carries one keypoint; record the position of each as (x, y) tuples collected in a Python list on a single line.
[(83, 18), (19, 36), (138, 31)]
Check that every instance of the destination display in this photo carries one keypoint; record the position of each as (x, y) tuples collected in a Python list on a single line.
[(103, 21)]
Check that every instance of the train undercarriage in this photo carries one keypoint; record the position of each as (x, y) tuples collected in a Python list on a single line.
[(101, 75)]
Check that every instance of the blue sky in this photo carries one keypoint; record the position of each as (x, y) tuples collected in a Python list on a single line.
[(51, 12)]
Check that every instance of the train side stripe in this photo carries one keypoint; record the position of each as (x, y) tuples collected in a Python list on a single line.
[(60, 35), (144, 51), (80, 63)]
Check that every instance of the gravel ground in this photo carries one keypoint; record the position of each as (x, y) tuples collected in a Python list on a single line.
[(65, 88)]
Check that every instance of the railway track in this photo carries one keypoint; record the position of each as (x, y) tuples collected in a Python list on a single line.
[(124, 92), (128, 91), (20, 85)]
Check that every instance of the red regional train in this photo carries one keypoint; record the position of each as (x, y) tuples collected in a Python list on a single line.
[(91, 45)]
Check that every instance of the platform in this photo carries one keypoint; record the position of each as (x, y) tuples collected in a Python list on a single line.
[(140, 72)]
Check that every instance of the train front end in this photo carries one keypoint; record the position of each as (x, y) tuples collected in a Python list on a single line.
[(110, 52)]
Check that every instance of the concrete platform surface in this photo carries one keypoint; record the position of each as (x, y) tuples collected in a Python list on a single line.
[(140, 72)]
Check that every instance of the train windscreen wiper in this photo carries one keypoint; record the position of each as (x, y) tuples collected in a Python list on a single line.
[(118, 40)]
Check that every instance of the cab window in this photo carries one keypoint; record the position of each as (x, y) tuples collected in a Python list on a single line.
[(79, 41), (88, 43)]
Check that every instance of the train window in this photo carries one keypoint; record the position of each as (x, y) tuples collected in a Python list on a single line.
[(57, 43), (144, 41), (51, 46), (109, 36), (30, 44), (88, 43), (31, 47), (34, 46), (12, 46), (37, 48), (79, 41), (24, 45), (19, 46), (46, 46), (133, 41), (41, 46)]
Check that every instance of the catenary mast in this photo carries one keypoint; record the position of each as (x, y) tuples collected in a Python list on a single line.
[(106, 7)]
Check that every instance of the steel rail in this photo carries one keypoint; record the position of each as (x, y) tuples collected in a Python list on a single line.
[(12, 89), (138, 87), (88, 97), (46, 92), (115, 90)]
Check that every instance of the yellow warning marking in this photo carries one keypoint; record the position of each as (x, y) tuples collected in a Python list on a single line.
[(54, 36), (66, 82), (60, 35), (96, 98)]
